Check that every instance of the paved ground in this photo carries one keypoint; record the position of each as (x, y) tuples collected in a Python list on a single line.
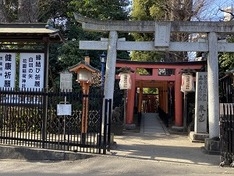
[(155, 143), (153, 151)]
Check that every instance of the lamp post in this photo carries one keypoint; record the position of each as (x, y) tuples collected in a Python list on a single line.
[(103, 65), (84, 77)]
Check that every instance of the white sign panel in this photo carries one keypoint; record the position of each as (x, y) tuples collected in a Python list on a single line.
[(7, 70), (66, 81), (63, 109), (200, 125), (31, 74)]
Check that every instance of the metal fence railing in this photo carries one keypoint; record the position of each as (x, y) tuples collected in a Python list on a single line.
[(30, 118)]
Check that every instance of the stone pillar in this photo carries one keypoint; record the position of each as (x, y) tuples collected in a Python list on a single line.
[(213, 86), (110, 74), (110, 65)]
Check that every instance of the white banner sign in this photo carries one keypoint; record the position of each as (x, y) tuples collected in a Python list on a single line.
[(31, 74), (7, 70)]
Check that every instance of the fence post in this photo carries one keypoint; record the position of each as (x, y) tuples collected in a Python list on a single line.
[(105, 129), (107, 122), (44, 118), (109, 125)]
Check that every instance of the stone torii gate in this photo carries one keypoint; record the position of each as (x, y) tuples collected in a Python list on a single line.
[(162, 31)]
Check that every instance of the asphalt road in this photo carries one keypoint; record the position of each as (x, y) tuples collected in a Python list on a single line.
[(108, 165), (152, 152)]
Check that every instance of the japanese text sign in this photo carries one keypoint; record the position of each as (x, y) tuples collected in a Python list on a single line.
[(7, 70), (31, 70)]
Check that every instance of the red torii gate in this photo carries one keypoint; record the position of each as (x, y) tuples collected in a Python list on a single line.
[(158, 81)]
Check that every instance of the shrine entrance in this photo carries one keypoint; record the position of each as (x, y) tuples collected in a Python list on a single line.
[(164, 81), (162, 31)]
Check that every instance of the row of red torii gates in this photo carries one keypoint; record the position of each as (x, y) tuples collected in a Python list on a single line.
[(157, 80)]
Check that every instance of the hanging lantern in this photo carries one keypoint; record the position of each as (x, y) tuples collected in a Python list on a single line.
[(125, 81), (187, 84), (84, 75)]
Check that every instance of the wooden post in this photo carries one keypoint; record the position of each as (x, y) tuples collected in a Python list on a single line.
[(85, 110), (178, 101)]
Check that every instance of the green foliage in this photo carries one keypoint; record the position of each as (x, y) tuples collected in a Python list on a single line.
[(101, 9), (150, 90), (146, 56), (146, 10), (226, 60), (156, 12)]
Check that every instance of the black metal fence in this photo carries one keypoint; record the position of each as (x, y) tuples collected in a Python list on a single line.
[(30, 118), (226, 120), (226, 91), (227, 133)]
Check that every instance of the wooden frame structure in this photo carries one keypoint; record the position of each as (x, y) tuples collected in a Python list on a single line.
[(29, 38)]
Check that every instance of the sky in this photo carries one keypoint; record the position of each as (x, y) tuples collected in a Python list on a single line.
[(212, 7)]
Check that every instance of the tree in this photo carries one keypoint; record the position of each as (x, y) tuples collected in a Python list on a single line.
[(164, 10), (69, 53), (28, 11), (52, 11), (226, 60), (8, 10), (102, 9)]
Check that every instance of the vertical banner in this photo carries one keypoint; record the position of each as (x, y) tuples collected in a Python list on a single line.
[(7, 70), (200, 125), (31, 73)]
